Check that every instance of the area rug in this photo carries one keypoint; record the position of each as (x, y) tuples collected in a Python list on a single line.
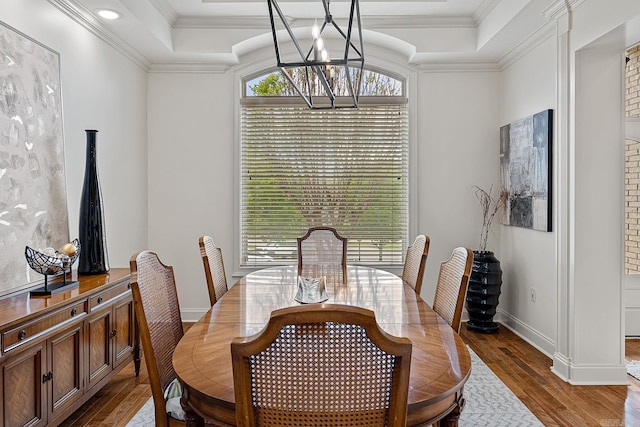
[(489, 403), (633, 368)]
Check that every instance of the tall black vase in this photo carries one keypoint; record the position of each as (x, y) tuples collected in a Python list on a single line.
[(93, 257), (483, 292)]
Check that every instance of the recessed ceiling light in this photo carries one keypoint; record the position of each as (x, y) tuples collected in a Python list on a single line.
[(108, 14)]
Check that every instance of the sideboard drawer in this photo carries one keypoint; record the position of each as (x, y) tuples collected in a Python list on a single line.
[(26, 332), (102, 298)]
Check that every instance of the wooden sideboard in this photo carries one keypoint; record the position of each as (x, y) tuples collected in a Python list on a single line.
[(58, 351)]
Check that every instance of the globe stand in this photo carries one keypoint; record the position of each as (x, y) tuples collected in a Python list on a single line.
[(51, 265), (53, 288)]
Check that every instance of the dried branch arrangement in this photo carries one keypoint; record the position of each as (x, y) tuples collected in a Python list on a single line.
[(490, 207)]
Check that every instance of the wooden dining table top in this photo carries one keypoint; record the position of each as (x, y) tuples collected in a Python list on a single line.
[(440, 362)]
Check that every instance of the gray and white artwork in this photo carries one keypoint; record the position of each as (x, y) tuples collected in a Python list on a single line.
[(525, 170), (33, 204)]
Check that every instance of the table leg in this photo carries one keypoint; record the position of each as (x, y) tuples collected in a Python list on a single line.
[(191, 418), (137, 349), (451, 419)]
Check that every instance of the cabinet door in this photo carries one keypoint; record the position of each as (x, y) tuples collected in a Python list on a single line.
[(98, 346), (65, 367), (124, 333), (23, 391)]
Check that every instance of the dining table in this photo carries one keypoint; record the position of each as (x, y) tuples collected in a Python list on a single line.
[(440, 361)]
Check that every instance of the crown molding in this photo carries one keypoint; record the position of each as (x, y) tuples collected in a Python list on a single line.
[(188, 67), (165, 9), (458, 67), (527, 45), (419, 21), (218, 22), (371, 21), (88, 21), (559, 8), (485, 8)]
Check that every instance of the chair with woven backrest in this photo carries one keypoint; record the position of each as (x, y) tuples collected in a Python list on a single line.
[(213, 268), (321, 365), (451, 289), (158, 316), (414, 262), (322, 247)]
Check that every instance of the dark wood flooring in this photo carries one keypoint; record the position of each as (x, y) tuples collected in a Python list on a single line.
[(525, 370)]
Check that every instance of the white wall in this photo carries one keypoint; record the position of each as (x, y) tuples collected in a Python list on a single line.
[(191, 176), (599, 207), (458, 148), (528, 257), (102, 90)]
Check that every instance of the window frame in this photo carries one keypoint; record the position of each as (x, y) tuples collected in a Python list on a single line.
[(262, 67)]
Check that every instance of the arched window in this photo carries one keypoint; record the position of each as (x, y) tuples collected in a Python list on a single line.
[(345, 168), (275, 84)]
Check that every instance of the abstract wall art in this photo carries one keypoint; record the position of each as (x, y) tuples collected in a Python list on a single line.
[(525, 170), (33, 202)]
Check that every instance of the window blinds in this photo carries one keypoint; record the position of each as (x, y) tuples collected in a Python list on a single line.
[(346, 169)]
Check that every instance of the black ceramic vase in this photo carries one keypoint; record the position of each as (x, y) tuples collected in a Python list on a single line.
[(483, 292), (93, 257)]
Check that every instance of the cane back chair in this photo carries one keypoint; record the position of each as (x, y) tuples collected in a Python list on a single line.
[(321, 365), (213, 268), (451, 289), (414, 262), (157, 310), (322, 247)]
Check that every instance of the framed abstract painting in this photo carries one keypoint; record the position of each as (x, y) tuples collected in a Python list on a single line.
[(525, 170), (33, 202)]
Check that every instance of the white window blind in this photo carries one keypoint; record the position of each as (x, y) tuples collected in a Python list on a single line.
[(346, 169)]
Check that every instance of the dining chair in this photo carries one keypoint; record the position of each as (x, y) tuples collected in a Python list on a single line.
[(322, 247), (213, 268), (451, 288), (414, 262), (157, 311), (321, 365)]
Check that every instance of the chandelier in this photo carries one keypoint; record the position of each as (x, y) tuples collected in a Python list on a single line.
[(322, 80)]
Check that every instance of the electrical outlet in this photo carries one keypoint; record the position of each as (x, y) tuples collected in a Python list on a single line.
[(532, 294)]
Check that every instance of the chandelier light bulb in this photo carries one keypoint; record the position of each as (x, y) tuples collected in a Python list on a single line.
[(316, 62)]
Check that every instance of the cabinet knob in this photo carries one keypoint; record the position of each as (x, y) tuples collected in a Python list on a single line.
[(99, 300), (113, 333), (74, 312), (22, 334)]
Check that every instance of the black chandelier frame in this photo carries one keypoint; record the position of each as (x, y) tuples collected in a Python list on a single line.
[(350, 65)]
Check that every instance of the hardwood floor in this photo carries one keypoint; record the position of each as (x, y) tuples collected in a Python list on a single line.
[(526, 371), (520, 366), (116, 403)]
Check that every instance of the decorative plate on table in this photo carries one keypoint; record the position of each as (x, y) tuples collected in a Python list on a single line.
[(311, 290)]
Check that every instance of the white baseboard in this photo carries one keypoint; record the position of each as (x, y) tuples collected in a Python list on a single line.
[(524, 331), (527, 333), (563, 367), (589, 374)]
